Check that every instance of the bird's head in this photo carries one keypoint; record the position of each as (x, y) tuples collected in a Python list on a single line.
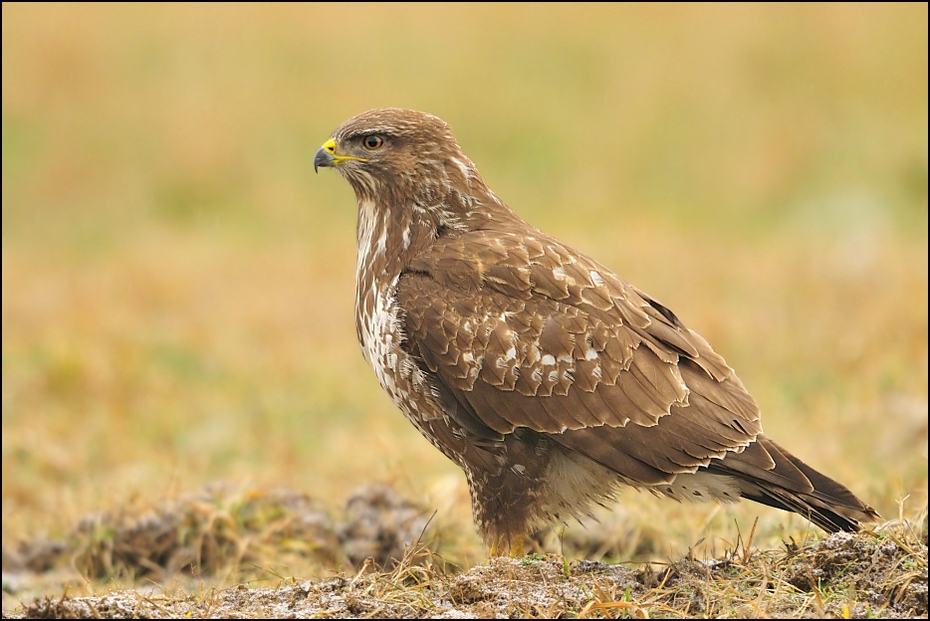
[(405, 157)]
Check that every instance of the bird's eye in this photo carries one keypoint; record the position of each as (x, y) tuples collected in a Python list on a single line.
[(373, 143)]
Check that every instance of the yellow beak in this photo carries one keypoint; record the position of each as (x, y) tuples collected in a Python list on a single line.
[(328, 158)]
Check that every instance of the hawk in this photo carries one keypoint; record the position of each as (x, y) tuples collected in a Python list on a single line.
[(548, 379)]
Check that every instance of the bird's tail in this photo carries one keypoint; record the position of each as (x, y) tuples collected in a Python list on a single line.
[(768, 474)]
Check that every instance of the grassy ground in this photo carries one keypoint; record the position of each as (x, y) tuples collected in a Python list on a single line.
[(177, 286), (882, 575)]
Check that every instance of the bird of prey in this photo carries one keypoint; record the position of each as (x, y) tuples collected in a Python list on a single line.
[(548, 379)]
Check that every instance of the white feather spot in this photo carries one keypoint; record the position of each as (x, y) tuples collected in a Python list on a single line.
[(465, 169), (596, 278), (591, 354), (548, 359)]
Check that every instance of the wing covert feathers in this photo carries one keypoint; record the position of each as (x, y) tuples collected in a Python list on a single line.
[(531, 335)]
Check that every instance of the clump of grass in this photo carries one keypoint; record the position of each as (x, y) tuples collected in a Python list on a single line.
[(218, 531), (232, 534)]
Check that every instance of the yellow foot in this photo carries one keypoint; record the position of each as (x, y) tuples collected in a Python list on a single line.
[(513, 545)]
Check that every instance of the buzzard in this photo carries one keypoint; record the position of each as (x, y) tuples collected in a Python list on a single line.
[(547, 378)]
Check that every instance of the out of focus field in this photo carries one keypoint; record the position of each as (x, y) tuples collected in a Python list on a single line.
[(178, 285)]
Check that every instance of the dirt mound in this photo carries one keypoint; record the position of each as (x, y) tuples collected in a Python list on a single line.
[(222, 532)]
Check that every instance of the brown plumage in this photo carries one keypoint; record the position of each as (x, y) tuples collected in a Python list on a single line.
[(548, 379)]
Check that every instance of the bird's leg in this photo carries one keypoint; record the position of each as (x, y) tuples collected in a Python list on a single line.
[(500, 545), (507, 543)]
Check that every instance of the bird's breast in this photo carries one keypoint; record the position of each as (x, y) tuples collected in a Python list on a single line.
[(380, 333)]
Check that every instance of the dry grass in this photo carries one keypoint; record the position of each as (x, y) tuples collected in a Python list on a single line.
[(177, 290)]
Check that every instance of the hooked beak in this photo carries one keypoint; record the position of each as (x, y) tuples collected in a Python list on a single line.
[(325, 156), (328, 158)]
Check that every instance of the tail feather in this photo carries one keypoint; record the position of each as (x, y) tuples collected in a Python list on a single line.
[(792, 485)]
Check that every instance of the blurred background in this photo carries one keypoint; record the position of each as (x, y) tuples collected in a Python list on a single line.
[(178, 285)]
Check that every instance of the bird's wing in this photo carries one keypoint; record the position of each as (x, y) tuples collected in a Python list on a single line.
[(518, 330)]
